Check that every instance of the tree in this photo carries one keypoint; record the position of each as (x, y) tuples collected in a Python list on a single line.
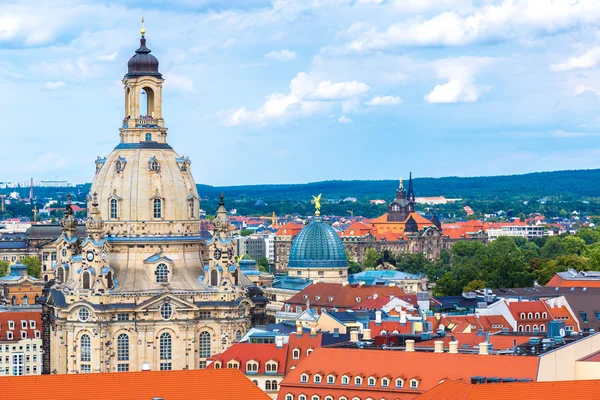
[(246, 232), (590, 236), (474, 285), (413, 263), (371, 260), (34, 265), (353, 266), (263, 264), (506, 266), (560, 264), (4, 268), (574, 245), (553, 248)]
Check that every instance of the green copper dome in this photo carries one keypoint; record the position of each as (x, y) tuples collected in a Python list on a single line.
[(317, 246)]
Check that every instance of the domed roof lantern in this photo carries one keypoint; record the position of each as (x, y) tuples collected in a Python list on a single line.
[(143, 63)]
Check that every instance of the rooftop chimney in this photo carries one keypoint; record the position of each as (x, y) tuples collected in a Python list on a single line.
[(483, 348), (366, 334), (313, 329), (410, 345), (439, 346), (402, 317), (298, 328), (279, 341), (453, 347), (378, 316), (354, 336)]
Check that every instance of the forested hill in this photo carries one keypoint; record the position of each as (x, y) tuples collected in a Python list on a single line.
[(566, 184)]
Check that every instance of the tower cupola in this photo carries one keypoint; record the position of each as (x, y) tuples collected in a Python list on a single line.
[(143, 63)]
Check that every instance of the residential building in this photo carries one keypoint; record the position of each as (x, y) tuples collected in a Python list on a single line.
[(18, 288), (409, 283), (524, 231), (573, 278), (20, 344), (282, 243), (225, 384)]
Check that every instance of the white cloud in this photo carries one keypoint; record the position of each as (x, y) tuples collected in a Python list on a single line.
[(282, 55), (384, 101), (109, 57), (504, 20), (307, 96), (461, 86), (54, 85), (564, 134), (587, 60), (580, 89), (344, 120), (180, 82)]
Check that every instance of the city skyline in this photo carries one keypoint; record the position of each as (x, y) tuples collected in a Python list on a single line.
[(423, 83)]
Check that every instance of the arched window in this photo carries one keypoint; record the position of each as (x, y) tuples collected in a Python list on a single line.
[(537, 315), (252, 366), (13, 301), (114, 209), (308, 352), (535, 327), (109, 280), (118, 166), (268, 385), (165, 351), (235, 277), (157, 208), (530, 316), (85, 345), (148, 137), (296, 354), (542, 327), (60, 274), (271, 366), (522, 315), (238, 335), (527, 328), (36, 298), (214, 278), (520, 328), (123, 347), (204, 344), (255, 382), (273, 385), (399, 383), (25, 301), (192, 206), (85, 277), (358, 381), (155, 166), (544, 315), (162, 273)]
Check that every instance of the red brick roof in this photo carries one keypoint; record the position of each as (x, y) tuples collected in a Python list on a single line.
[(259, 352), (342, 297), (500, 342), (289, 229), (358, 229), (517, 308), (303, 343), (560, 390), (17, 317), (224, 384), (558, 281), (426, 367)]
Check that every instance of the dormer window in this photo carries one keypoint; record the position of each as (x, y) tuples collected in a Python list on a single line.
[(308, 352), (217, 364), (317, 378), (11, 325), (271, 366), (330, 299), (232, 365), (32, 324), (399, 382), (358, 299), (544, 315), (345, 380), (296, 354), (304, 378), (371, 381), (162, 273), (23, 324), (23, 334), (114, 209), (330, 379), (385, 382), (414, 383), (522, 315), (252, 366), (157, 208), (9, 335), (118, 166), (537, 315), (358, 381), (530, 316), (192, 207)]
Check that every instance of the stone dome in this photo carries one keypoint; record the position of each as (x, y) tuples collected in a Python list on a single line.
[(143, 63), (317, 246)]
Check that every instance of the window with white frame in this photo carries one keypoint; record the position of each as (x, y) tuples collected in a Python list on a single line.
[(123, 347), (17, 364), (157, 208), (9, 335), (331, 379), (32, 324), (317, 378), (86, 368), (233, 365), (271, 366), (399, 382), (204, 344), (544, 315), (289, 397), (304, 378), (371, 381), (345, 380), (162, 273), (23, 334), (385, 382), (357, 380), (296, 354), (114, 209), (315, 397), (308, 352), (23, 324), (414, 383), (301, 397), (165, 351), (11, 324), (252, 366), (85, 345)]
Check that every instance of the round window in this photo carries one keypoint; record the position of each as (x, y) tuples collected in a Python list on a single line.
[(166, 311), (84, 314)]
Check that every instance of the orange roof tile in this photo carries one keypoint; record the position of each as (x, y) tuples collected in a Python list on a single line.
[(500, 342), (358, 229), (223, 384), (259, 352), (16, 317), (427, 367), (560, 390), (289, 229)]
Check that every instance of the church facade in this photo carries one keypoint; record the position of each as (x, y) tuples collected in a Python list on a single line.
[(142, 289)]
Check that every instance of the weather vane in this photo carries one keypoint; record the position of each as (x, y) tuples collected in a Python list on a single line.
[(143, 30)]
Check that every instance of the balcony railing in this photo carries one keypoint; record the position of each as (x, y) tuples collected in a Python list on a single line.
[(142, 121)]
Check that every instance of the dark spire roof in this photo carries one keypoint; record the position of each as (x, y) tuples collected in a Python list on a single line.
[(411, 193), (143, 63)]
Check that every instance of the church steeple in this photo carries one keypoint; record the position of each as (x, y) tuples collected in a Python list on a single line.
[(411, 194), (69, 223), (95, 224)]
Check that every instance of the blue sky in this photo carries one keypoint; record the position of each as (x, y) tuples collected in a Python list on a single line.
[(288, 91)]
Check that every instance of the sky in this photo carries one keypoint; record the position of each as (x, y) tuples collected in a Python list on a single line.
[(291, 91)]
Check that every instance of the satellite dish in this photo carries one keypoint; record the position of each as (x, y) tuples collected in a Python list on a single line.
[(562, 332)]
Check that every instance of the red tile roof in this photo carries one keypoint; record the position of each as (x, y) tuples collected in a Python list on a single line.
[(342, 297), (558, 281), (289, 229), (303, 343), (500, 342), (224, 384), (259, 352), (560, 390), (17, 317), (359, 229), (426, 367)]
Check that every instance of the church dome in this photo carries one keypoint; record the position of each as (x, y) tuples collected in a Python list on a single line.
[(317, 245), (143, 63)]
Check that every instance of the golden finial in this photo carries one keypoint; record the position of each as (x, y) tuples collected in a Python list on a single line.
[(317, 203), (401, 184), (143, 30)]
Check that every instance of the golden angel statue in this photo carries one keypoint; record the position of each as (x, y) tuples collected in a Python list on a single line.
[(317, 202)]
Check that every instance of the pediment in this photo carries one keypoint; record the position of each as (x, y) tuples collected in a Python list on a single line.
[(155, 302)]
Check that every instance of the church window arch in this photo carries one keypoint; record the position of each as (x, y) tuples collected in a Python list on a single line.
[(123, 347), (154, 166), (146, 102), (114, 209), (13, 301), (148, 137), (85, 278), (162, 273), (191, 207), (85, 345), (204, 350), (238, 335), (109, 280), (236, 277), (157, 208), (214, 278), (60, 274), (118, 166), (25, 301), (165, 348)]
